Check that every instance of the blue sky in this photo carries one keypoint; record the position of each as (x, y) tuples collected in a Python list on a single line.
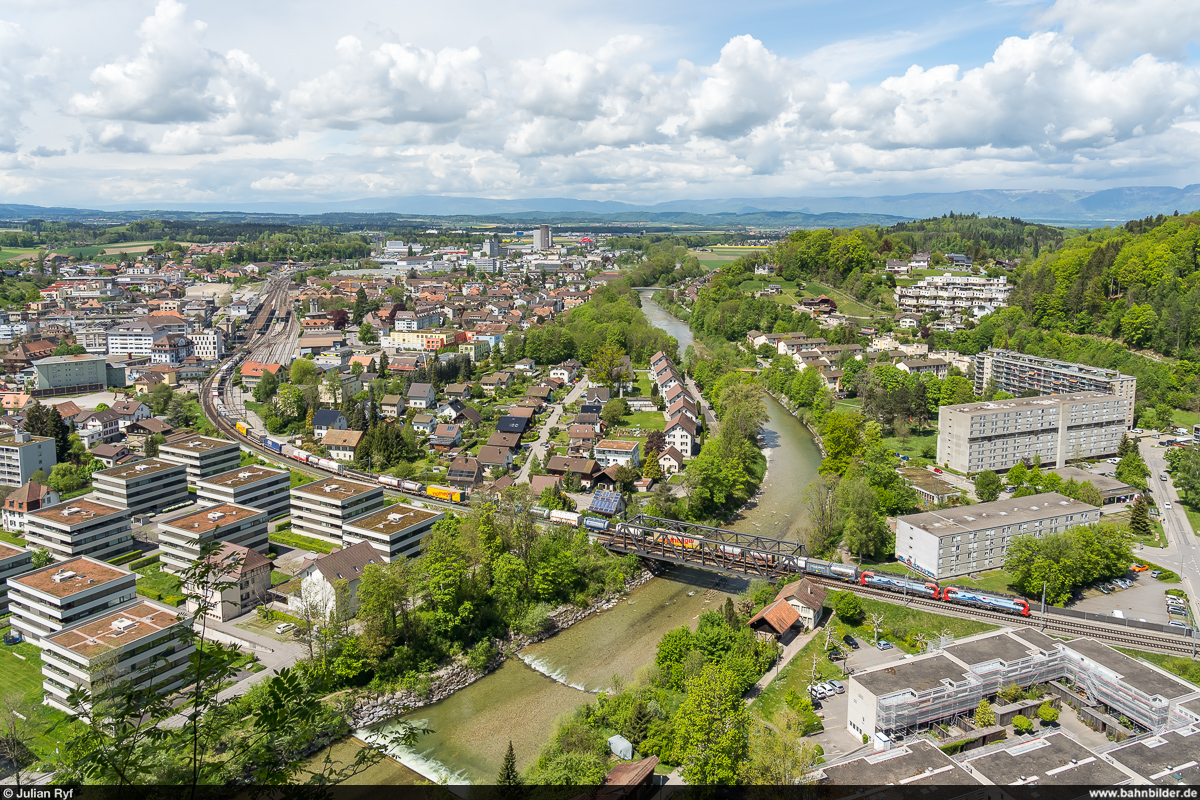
[(160, 102)]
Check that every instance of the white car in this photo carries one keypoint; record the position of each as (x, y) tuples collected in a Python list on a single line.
[(284, 627), (1167, 506)]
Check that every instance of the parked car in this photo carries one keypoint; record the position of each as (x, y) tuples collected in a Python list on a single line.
[(1154, 573), (838, 687), (1177, 624), (884, 644), (1162, 477), (1138, 567), (850, 642), (284, 627), (938, 470)]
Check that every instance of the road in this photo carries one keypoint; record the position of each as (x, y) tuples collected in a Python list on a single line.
[(1182, 553), (538, 448)]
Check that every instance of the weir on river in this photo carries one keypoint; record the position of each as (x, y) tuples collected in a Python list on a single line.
[(523, 699)]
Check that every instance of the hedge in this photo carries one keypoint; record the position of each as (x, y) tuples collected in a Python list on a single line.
[(145, 562), (124, 558)]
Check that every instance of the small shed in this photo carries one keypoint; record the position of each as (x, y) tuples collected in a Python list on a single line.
[(620, 747)]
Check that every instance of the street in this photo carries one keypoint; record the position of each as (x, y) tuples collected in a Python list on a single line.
[(538, 448), (1182, 553)]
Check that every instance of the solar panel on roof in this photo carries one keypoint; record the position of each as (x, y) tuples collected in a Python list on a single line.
[(605, 502)]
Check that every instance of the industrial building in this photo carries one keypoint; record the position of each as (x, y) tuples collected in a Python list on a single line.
[(143, 644), (254, 486), (59, 596), (80, 527), (202, 455), (321, 508), (144, 487), (63, 375), (966, 539), (394, 531), (911, 695), (182, 538), (973, 437), (22, 454), (1017, 373)]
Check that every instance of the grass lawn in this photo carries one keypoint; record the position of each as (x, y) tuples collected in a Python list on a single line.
[(156, 584), (1185, 419), (1193, 517), (913, 446), (646, 420), (301, 542), (278, 577), (901, 622), (643, 384), (53, 728), (11, 538), (1185, 668), (253, 622), (797, 675), (845, 303)]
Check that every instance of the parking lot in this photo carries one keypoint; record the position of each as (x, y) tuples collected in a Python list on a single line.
[(1146, 600)]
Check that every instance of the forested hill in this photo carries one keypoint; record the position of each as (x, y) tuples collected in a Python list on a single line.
[(1139, 284), (978, 237)]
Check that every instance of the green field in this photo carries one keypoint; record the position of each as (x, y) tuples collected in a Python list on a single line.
[(25, 676), (912, 446), (155, 583), (5, 536), (17, 253), (300, 542), (646, 420), (1185, 419), (845, 303)]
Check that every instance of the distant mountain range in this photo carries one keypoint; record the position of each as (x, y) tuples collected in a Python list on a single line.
[(1053, 206)]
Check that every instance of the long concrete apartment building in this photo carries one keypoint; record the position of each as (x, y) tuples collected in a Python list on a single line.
[(14, 561), (996, 435), (144, 487), (951, 293), (22, 454), (80, 527), (393, 531), (321, 508), (47, 600), (182, 538), (968, 539), (202, 455), (142, 644), (254, 486), (1017, 373)]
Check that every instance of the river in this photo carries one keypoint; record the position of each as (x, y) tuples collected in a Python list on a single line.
[(523, 699)]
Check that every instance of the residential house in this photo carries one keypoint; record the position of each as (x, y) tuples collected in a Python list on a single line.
[(421, 395), (458, 391), (392, 406), (933, 366), (330, 582), (328, 419), (110, 454), (584, 436), (807, 598), (342, 445), (29, 497), (495, 459), (424, 424), (496, 382), (512, 423), (98, 426), (129, 412), (447, 436), (670, 461), (621, 452), (510, 441), (526, 365), (585, 470), (465, 472), (459, 413), (566, 371), (252, 372), (597, 395), (682, 433)]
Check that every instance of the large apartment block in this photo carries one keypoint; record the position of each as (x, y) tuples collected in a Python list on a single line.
[(394, 531), (142, 643), (80, 527), (1017, 373), (22, 454), (14, 561), (144, 487), (950, 293), (320, 509), (202, 455), (996, 435), (182, 538), (257, 487), (968, 539), (59, 596)]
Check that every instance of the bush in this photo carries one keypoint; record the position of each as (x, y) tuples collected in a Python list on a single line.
[(142, 563), (535, 621), (1022, 724), (1047, 713), (482, 655), (849, 608), (124, 558)]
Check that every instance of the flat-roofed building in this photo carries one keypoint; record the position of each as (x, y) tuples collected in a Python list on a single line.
[(143, 643), (22, 454), (394, 531), (14, 561), (958, 541), (623, 452), (919, 764), (1111, 490), (144, 487), (62, 375), (254, 486), (80, 527), (182, 538), (973, 437), (1017, 373), (1168, 759), (202, 455), (47, 600), (320, 509), (1052, 759)]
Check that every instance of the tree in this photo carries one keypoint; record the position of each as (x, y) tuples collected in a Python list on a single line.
[(17, 731), (366, 334), (78, 453), (1022, 724), (268, 384), (613, 412), (160, 397), (1087, 492), (69, 350), (779, 754), (360, 306), (606, 365), (849, 608), (1016, 475), (988, 486), (985, 717), (1133, 470), (743, 410), (155, 441), (651, 469), (1047, 713), (225, 300), (508, 775), (656, 441), (65, 478), (178, 413), (303, 372), (712, 728), (42, 558), (43, 420), (1139, 519), (824, 512)]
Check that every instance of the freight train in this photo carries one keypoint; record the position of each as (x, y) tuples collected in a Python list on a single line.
[(848, 573)]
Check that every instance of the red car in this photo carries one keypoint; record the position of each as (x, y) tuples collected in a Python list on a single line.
[(937, 470)]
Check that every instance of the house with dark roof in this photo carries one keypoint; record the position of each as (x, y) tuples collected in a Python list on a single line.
[(512, 424), (328, 419), (585, 470), (495, 459), (331, 581), (464, 472), (670, 461), (509, 441)]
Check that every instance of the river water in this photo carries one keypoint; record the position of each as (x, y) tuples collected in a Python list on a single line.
[(523, 699)]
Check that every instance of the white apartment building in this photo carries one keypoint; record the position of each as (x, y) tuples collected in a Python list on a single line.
[(208, 344), (52, 598), (182, 538), (543, 239), (966, 539), (135, 338), (80, 527), (973, 437), (14, 561), (320, 509), (94, 340), (203, 456), (393, 531), (950, 293), (22, 454), (142, 643), (619, 451), (254, 486), (1017, 373), (143, 487)]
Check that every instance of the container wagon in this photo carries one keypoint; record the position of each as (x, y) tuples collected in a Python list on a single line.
[(595, 523), (242, 429), (565, 518), (444, 493), (389, 480), (411, 486), (327, 463), (541, 512), (272, 445)]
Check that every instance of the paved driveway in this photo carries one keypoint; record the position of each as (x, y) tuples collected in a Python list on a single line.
[(538, 448)]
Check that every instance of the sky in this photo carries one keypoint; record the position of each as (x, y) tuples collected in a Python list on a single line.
[(152, 103)]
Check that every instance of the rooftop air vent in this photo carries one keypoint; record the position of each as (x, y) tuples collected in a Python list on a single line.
[(123, 624), (62, 575)]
